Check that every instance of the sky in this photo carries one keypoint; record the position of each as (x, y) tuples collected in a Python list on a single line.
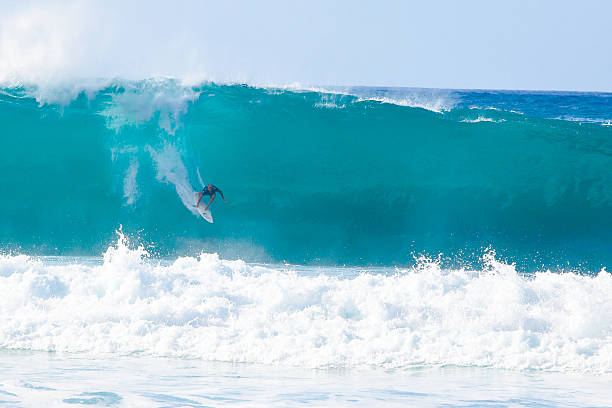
[(469, 44)]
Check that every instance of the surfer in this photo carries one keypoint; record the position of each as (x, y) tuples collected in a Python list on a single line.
[(211, 191)]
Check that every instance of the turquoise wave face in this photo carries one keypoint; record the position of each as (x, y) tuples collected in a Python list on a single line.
[(310, 177)]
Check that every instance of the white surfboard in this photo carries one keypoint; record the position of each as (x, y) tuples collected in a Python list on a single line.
[(206, 214)]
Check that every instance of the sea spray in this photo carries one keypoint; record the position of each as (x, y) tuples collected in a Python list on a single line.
[(218, 310)]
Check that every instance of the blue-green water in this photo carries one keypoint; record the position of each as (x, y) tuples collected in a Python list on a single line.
[(310, 177)]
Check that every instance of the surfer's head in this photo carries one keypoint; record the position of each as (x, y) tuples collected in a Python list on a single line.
[(209, 187)]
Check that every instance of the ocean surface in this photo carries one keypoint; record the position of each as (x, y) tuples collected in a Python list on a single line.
[(379, 246)]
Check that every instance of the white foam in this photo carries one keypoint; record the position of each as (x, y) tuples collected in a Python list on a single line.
[(435, 100), (437, 105), (581, 120), (170, 169), (161, 98), (482, 119), (221, 310), (199, 177), (329, 105), (62, 93), (130, 185)]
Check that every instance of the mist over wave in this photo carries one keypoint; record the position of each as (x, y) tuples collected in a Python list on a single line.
[(213, 309)]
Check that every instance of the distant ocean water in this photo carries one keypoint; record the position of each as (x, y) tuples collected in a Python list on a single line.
[(371, 236)]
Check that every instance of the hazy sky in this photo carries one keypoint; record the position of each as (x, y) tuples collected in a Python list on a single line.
[(564, 45)]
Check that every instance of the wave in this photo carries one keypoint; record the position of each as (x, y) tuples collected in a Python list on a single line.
[(311, 177), (209, 308)]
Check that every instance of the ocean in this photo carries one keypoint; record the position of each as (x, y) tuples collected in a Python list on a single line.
[(379, 247)]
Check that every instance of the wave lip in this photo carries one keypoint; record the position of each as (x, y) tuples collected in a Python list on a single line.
[(435, 100), (219, 310), (172, 95)]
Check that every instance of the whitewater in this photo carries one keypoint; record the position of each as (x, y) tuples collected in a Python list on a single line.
[(127, 329), (231, 311), (379, 247)]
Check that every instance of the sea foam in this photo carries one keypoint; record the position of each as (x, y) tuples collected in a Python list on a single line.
[(220, 310)]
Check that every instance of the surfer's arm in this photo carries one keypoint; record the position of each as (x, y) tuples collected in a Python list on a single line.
[(221, 192), (200, 195), (212, 197)]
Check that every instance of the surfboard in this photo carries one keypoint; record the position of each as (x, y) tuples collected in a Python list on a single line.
[(206, 214)]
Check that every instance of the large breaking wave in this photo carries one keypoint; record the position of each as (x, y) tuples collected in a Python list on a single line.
[(310, 176)]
